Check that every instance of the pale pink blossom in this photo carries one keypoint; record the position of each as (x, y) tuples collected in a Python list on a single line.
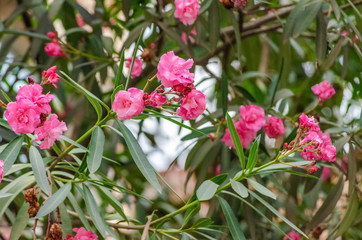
[(50, 131), (246, 135), (323, 90), (252, 117), (50, 76), (137, 66), (274, 127), (239, 3), (156, 99), (326, 173), (128, 104), (308, 122), (34, 93), (1, 169), (173, 70), (53, 49), (293, 235), (187, 11), (23, 116), (82, 234), (192, 105)]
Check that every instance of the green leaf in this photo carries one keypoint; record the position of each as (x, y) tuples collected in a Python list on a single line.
[(119, 76), (350, 215), (5, 195), (283, 93), (94, 213), (224, 93), (333, 54), (38, 167), (111, 199), (206, 190), (6, 96), (54, 201), (205, 5), (233, 223), (21, 221), (190, 212), (253, 155), (239, 188), (336, 9), (139, 156), (133, 59), (236, 140), (277, 213), (245, 93), (79, 211), (193, 135), (11, 152), (321, 38), (214, 24), (219, 179), (202, 222), (94, 158), (261, 189)]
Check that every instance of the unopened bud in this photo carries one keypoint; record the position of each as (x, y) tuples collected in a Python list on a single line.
[(153, 46), (285, 145), (312, 169), (211, 136), (30, 80)]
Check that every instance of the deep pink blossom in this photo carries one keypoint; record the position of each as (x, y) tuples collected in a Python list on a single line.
[(50, 131), (326, 173), (156, 99), (313, 169), (192, 105), (173, 70), (328, 152), (53, 49), (128, 104), (52, 35), (187, 11), (82, 234), (137, 66), (323, 90), (34, 93), (252, 117), (293, 235), (1, 169), (274, 127), (246, 135), (308, 122), (239, 3), (23, 116), (50, 76)]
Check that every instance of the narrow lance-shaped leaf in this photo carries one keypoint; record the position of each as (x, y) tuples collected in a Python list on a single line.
[(321, 38), (95, 154), (261, 189), (253, 155), (206, 190), (11, 152), (236, 140), (38, 167), (239, 188), (54, 201), (20, 223), (133, 59), (119, 76), (233, 223), (224, 93)]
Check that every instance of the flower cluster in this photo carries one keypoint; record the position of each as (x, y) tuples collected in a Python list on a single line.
[(53, 48), (316, 144), (1, 169), (30, 111), (173, 72), (187, 11), (274, 127), (82, 234), (323, 90)]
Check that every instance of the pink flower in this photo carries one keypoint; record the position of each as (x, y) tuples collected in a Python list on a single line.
[(239, 3), (293, 235), (246, 135), (50, 131), (33, 93), (53, 49), (50, 76), (274, 127), (156, 99), (308, 122), (313, 169), (23, 116), (128, 104), (1, 169), (137, 66), (173, 70), (52, 35), (328, 152), (252, 117), (324, 90), (192, 106), (82, 234), (79, 19), (187, 11), (191, 36), (326, 173)]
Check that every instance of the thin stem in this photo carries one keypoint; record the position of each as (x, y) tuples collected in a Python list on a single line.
[(149, 81)]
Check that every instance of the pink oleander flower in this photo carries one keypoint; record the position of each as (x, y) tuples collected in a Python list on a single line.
[(246, 135), (80, 20), (137, 66), (34, 93), (50, 76), (252, 117), (274, 127), (312, 169), (324, 90), (173, 70), (239, 3), (326, 173), (308, 122), (192, 105), (156, 99), (53, 49), (50, 131), (293, 235), (1, 169), (191, 36), (23, 116), (328, 152), (187, 11), (82, 234), (128, 104)]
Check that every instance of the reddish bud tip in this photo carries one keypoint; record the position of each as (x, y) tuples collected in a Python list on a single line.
[(30, 80)]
